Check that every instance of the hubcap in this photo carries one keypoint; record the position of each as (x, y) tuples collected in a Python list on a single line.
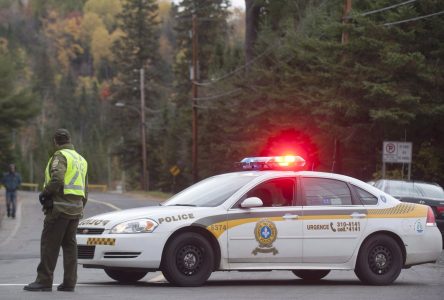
[(189, 259), (380, 260)]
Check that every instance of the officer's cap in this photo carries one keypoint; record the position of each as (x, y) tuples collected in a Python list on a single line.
[(62, 136)]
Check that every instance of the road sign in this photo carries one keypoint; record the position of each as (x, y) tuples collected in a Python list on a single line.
[(174, 170), (397, 152)]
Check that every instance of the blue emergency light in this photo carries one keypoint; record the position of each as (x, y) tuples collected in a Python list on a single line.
[(289, 163)]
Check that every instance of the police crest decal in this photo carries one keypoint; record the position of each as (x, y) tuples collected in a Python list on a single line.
[(265, 233)]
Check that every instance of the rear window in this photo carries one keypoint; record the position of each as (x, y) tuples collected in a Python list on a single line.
[(366, 197)]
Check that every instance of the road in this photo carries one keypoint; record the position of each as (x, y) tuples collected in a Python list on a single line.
[(19, 256)]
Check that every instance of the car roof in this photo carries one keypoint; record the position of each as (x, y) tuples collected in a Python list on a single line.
[(407, 181)]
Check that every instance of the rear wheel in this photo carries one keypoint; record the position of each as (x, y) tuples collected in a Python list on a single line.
[(188, 260), (379, 260), (311, 275), (125, 276)]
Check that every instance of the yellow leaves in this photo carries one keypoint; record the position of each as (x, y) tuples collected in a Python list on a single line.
[(86, 83), (164, 10), (105, 9), (101, 45), (65, 36), (91, 21)]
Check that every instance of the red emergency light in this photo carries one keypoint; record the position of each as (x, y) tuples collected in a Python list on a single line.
[(287, 163)]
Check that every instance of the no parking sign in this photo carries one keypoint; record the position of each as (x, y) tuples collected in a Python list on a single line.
[(397, 152)]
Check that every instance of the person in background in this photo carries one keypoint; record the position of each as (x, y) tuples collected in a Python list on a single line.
[(11, 181)]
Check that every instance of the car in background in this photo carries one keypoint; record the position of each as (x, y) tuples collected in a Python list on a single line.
[(426, 193)]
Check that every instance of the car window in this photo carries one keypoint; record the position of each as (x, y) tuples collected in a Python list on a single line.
[(212, 191), (430, 190), (402, 189), (366, 197), (323, 191), (273, 193)]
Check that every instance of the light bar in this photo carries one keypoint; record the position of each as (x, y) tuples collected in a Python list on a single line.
[(289, 162)]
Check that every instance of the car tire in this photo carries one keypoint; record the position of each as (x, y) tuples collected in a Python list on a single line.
[(379, 261), (311, 275), (125, 276), (188, 260)]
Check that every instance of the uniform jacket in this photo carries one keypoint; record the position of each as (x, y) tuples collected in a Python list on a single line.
[(11, 181), (54, 188)]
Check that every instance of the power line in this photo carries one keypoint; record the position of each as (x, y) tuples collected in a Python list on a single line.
[(229, 74), (415, 19), (218, 96), (387, 8)]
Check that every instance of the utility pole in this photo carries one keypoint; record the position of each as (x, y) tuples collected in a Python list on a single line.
[(194, 102), (345, 14), (337, 157), (145, 183)]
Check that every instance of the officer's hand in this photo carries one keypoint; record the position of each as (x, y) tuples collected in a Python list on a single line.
[(42, 196)]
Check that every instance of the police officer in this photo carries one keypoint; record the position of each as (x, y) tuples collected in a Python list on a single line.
[(63, 199)]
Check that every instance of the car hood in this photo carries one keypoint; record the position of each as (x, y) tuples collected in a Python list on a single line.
[(109, 220)]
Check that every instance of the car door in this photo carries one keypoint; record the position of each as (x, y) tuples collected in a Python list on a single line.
[(334, 220), (268, 234)]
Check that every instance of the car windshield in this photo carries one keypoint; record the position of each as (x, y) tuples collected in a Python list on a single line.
[(212, 191), (414, 189), (430, 190)]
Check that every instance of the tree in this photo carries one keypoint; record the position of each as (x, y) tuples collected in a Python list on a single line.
[(16, 104), (137, 48)]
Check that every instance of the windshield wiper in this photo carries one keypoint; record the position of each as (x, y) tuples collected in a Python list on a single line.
[(182, 205)]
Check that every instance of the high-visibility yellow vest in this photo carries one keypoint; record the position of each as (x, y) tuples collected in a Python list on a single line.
[(75, 176)]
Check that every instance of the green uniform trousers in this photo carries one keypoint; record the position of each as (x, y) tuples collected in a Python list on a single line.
[(58, 231)]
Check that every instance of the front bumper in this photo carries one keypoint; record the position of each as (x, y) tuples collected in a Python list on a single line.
[(143, 250)]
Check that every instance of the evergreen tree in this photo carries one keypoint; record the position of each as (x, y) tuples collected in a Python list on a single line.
[(16, 105), (136, 49)]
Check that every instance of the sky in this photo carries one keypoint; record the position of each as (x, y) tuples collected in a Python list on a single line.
[(238, 3)]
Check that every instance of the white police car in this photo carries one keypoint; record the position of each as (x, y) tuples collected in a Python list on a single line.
[(264, 218)]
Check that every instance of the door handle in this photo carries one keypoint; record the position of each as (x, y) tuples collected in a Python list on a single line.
[(290, 217), (358, 215)]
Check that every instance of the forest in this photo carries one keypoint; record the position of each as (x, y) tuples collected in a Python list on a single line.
[(282, 76)]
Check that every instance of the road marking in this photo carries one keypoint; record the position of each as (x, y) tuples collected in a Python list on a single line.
[(105, 203), (18, 222), (158, 278)]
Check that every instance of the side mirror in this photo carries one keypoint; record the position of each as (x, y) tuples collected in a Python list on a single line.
[(252, 202)]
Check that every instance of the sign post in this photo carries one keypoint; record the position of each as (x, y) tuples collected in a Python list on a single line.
[(397, 152)]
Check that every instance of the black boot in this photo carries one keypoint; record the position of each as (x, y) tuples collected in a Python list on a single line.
[(37, 287), (63, 288)]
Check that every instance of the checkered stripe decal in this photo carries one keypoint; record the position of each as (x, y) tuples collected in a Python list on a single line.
[(401, 209), (101, 241)]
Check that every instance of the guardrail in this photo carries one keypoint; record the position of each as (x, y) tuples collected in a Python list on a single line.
[(32, 186), (101, 187), (35, 187)]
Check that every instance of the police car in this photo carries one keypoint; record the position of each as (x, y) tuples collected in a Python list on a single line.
[(267, 217)]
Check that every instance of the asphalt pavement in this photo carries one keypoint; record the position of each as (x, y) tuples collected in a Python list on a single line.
[(19, 257)]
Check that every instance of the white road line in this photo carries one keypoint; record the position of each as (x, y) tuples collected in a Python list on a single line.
[(18, 222), (158, 278), (84, 284), (105, 203)]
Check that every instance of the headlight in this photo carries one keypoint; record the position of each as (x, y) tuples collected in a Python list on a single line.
[(135, 226)]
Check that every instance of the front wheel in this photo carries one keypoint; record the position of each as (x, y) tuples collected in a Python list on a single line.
[(311, 275), (379, 261), (125, 276), (188, 260)]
